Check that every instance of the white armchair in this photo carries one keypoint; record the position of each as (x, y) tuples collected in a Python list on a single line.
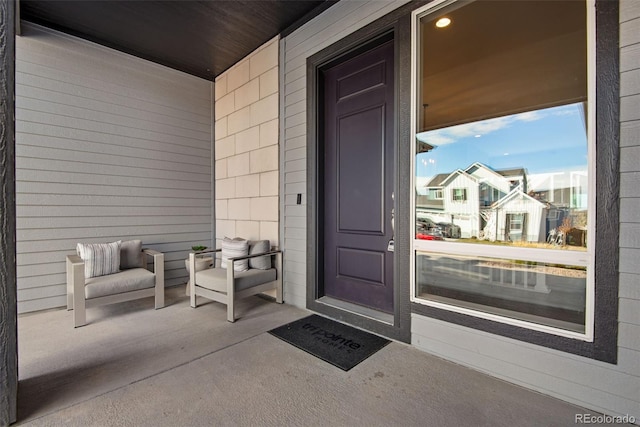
[(226, 285), (133, 281)]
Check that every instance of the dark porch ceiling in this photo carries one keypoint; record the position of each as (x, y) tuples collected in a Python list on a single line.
[(203, 38)]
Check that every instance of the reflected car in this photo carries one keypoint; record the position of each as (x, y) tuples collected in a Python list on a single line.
[(426, 229), (431, 234), (449, 230), (425, 223)]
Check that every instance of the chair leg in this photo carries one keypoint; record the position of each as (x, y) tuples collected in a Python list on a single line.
[(192, 295), (159, 299), (69, 286), (231, 298), (79, 307), (230, 311), (158, 270), (79, 311), (159, 294), (279, 298), (192, 299), (79, 318), (279, 290), (192, 280)]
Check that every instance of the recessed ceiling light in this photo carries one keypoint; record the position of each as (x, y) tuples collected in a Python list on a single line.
[(443, 22)]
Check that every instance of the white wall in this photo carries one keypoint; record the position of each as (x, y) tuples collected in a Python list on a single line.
[(246, 150), (611, 389), (108, 146)]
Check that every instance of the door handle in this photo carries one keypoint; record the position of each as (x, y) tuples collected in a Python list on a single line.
[(390, 245), (393, 214)]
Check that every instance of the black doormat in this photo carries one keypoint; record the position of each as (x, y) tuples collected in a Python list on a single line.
[(341, 345)]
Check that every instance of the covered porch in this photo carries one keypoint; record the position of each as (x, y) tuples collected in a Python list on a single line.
[(113, 145), (183, 367)]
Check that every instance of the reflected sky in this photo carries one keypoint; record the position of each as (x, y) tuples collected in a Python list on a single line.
[(541, 141)]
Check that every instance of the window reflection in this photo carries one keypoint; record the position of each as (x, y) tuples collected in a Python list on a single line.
[(552, 295), (519, 179), (502, 159)]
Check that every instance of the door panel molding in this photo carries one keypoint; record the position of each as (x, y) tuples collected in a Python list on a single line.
[(369, 78), (355, 271), (375, 223)]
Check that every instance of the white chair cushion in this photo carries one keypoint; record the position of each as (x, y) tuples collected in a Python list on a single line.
[(99, 258), (131, 254), (215, 279), (127, 280), (232, 248), (261, 262)]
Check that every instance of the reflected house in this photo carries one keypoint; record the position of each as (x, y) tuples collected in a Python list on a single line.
[(434, 199), (566, 196), (566, 190), (485, 203), (515, 217)]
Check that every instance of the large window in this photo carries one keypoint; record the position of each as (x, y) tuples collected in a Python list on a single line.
[(503, 117)]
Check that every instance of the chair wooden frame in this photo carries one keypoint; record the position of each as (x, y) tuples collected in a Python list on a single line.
[(231, 296), (77, 301)]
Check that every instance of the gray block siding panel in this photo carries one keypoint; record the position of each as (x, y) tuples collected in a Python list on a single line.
[(628, 108), (630, 83), (629, 287), (629, 159), (629, 10), (630, 210), (630, 58), (630, 235), (629, 34), (630, 134), (108, 147), (630, 184), (629, 315), (629, 263)]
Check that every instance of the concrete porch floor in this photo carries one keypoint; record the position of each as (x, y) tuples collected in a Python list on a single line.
[(178, 366)]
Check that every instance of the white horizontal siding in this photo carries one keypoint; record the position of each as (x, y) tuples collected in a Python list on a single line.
[(108, 146), (598, 386), (335, 23), (629, 291), (612, 389)]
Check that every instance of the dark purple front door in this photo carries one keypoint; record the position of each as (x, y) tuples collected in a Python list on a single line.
[(358, 173)]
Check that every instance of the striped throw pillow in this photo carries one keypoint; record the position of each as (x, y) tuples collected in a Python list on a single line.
[(232, 248), (99, 259)]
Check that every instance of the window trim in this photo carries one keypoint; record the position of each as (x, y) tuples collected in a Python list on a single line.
[(602, 302), (438, 194), (463, 194)]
